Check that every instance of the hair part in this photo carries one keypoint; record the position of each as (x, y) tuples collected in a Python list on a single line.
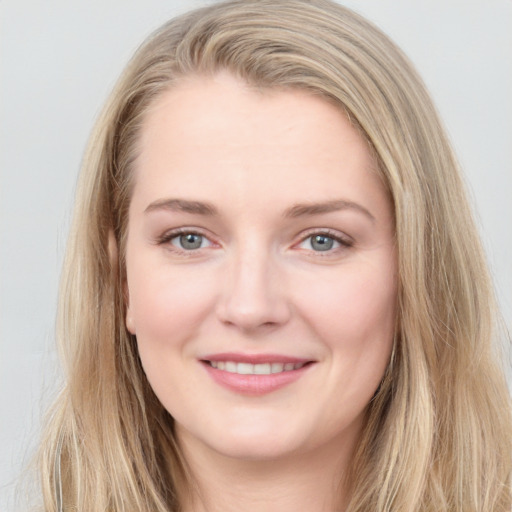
[(437, 434)]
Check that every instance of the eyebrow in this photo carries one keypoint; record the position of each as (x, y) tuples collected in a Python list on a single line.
[(182, 205), (303, 209), (297, 210)]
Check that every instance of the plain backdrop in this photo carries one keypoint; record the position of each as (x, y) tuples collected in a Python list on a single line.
[(58, 61)]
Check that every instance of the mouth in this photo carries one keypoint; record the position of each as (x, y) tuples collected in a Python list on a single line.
[(256, 369), (255, 375)]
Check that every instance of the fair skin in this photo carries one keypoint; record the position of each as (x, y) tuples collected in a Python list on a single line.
[(260, 240)]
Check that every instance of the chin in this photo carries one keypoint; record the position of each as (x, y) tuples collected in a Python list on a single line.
[(252, 440), (264, 448)]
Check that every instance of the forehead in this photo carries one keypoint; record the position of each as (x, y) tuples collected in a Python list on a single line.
[(218, 135)]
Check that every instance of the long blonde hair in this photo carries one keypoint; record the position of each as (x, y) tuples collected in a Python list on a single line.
[(438, 432)]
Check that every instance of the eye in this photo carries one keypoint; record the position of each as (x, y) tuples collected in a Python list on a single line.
[(324, 242), (320, 243), (189, 241)]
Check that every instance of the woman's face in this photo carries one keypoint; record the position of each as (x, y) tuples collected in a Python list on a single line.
[(261, 268)]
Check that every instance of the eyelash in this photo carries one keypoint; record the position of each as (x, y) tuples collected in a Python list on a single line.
[(343, 241), (167, 238)]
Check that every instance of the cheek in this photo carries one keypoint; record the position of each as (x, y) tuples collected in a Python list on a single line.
[(166, 310), (166, 307), (354, 316), (357, 301)]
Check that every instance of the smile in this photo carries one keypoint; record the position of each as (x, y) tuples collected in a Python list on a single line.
[(255, 375), (255, 369)]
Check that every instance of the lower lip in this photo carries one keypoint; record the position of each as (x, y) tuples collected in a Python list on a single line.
[(254, 385)]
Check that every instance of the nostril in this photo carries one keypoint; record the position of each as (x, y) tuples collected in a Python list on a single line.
[(250, 299)]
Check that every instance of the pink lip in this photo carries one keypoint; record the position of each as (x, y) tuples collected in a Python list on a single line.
[(254, 358), (254, 385)]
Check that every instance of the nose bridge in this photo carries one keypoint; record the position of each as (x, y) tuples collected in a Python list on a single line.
[(253, 293)]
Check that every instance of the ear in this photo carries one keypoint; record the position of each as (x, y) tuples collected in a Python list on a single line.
[(129, 320), (113, 254)]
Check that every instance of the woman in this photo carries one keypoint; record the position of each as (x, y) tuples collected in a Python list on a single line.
[(274, 296)]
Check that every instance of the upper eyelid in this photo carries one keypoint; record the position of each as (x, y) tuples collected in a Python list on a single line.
[(337, 235), (165, 239), (171, 233)]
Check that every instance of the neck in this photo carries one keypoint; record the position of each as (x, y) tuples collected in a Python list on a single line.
[(310, 481)]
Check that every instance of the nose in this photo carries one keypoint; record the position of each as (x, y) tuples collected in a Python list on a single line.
[(253, 293)]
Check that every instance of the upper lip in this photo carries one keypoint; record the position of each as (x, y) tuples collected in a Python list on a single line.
[(254, 358)]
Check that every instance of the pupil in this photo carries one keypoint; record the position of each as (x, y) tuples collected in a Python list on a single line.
[(191, 241), (322, 243)]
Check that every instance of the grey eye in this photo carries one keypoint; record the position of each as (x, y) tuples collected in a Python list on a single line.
[(321, 242), (189, 241)]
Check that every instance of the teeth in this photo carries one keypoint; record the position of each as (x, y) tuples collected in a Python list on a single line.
[(277, 367), (262, 369), (230, 367), (255, 369), (244, 368)]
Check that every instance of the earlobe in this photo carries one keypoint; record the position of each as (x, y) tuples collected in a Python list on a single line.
[(130, 323), (114, 261), (129, 320)]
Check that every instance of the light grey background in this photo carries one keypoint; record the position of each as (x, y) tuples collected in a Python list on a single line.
[(58, 61)]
